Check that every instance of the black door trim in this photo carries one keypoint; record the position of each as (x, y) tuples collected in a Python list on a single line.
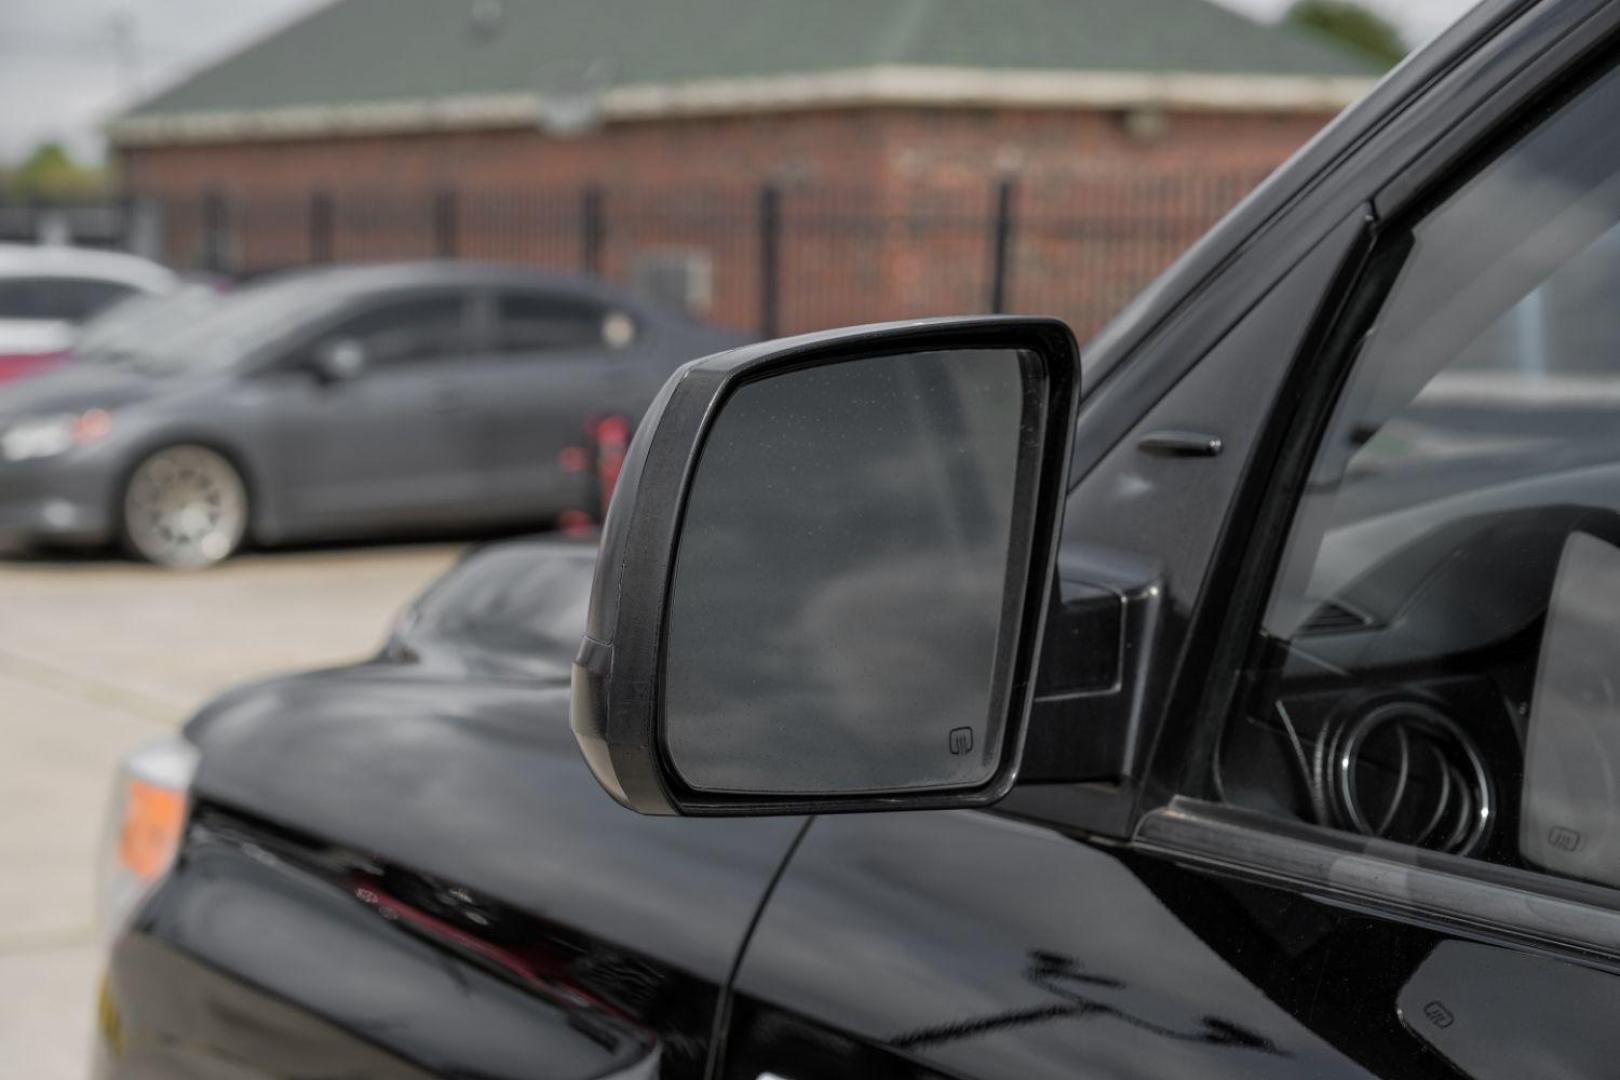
[(1498, 903)]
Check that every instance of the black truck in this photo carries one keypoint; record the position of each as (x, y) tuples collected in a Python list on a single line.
[(1237, 698)]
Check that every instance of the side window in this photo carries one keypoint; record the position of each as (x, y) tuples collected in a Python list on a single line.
[(536, 322), (1439, 661), (57, 298), (407, 331), (20, 299)]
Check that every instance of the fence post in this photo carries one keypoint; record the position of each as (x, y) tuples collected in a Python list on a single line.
[(1001, 240), (141, 225), (216, 230), (445, 223), (143, 228), (320, 227), (770, 253), (128, 228), (591, 230), (39, 222)]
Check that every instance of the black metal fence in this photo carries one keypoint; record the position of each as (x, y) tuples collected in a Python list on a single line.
[(98, 224), (772, 258)]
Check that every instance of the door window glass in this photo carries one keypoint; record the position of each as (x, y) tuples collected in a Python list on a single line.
[(1439, 662), (533, 322), (57, 298), (408, 331)]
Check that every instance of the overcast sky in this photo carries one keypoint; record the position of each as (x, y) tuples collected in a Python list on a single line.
[(67, 64)]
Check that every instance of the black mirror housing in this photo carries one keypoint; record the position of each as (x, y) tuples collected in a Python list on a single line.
[(823, 576)]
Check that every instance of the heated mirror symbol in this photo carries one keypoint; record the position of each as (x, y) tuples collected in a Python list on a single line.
[(1563, 839), (961, 740), (1438, 1015)]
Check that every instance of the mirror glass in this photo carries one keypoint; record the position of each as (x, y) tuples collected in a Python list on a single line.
[(1502, 1014), (1569, 815), (844, 579)]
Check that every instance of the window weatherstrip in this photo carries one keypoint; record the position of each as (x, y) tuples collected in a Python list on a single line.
[(1499, 901)]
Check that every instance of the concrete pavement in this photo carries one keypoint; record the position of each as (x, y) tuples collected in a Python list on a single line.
[(97, 657)]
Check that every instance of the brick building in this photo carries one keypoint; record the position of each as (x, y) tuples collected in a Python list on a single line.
[(824, 161)]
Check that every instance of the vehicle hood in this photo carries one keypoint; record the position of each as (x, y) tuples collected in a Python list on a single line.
[(374, 689), (479, 782), (73, 387), (420, 656)]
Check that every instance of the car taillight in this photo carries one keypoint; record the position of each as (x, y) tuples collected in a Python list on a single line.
[(145, 823)]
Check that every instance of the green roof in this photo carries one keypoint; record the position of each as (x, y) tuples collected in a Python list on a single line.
[(373, 51)]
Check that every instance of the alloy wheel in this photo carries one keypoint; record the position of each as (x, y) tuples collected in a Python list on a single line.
[(185, 506)]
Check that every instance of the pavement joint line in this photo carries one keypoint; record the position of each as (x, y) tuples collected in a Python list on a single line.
[(91, 690)]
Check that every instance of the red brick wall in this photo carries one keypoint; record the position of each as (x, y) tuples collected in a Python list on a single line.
[(811, 145), (842, 147), (886, 212)]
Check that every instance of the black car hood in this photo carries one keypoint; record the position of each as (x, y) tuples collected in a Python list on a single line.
[(415, 656), (479, 781), (436, 686), (75, 386)]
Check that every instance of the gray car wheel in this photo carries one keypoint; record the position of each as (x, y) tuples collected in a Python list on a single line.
[(185, 507)]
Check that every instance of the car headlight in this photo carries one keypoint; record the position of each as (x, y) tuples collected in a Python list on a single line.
[(145, 821), (47, 436)]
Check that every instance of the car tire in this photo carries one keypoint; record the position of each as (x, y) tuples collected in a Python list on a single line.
[(184, 507)]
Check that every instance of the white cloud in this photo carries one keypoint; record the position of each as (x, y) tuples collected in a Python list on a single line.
[(66, 65)]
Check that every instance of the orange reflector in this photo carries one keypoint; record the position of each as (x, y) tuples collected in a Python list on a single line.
[(92, 425), (150, 835)]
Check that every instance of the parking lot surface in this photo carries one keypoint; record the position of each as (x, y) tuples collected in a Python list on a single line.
[(97, 657)]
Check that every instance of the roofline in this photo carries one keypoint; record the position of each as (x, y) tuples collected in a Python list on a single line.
[(62, 260), (882, 85)]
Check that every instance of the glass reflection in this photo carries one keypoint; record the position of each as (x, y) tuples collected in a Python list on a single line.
[(838, 592), (1451, 571)]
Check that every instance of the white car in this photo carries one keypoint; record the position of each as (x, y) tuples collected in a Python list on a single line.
[(46, 291)]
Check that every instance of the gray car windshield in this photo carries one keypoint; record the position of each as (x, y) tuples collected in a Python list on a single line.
[(519, 600), (131, 323), (221, 334)]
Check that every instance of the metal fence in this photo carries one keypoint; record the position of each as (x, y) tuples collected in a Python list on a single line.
[(772, 258), (96, 224)]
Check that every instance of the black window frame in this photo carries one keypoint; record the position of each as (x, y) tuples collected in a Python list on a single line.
[(1411, 128), (1572, 916)]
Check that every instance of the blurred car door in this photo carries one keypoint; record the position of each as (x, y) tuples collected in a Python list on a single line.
[(384, 443), (551, 366)]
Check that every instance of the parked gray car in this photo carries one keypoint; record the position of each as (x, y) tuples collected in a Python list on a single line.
[(341, 402)]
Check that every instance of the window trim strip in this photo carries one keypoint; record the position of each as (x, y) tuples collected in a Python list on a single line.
[(1380, 876)]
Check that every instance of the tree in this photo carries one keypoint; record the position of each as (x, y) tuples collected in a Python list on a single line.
[(50, 173), (1350, 24)]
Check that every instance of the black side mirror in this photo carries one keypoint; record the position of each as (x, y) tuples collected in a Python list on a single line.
[(339, 360), (823, 575)]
